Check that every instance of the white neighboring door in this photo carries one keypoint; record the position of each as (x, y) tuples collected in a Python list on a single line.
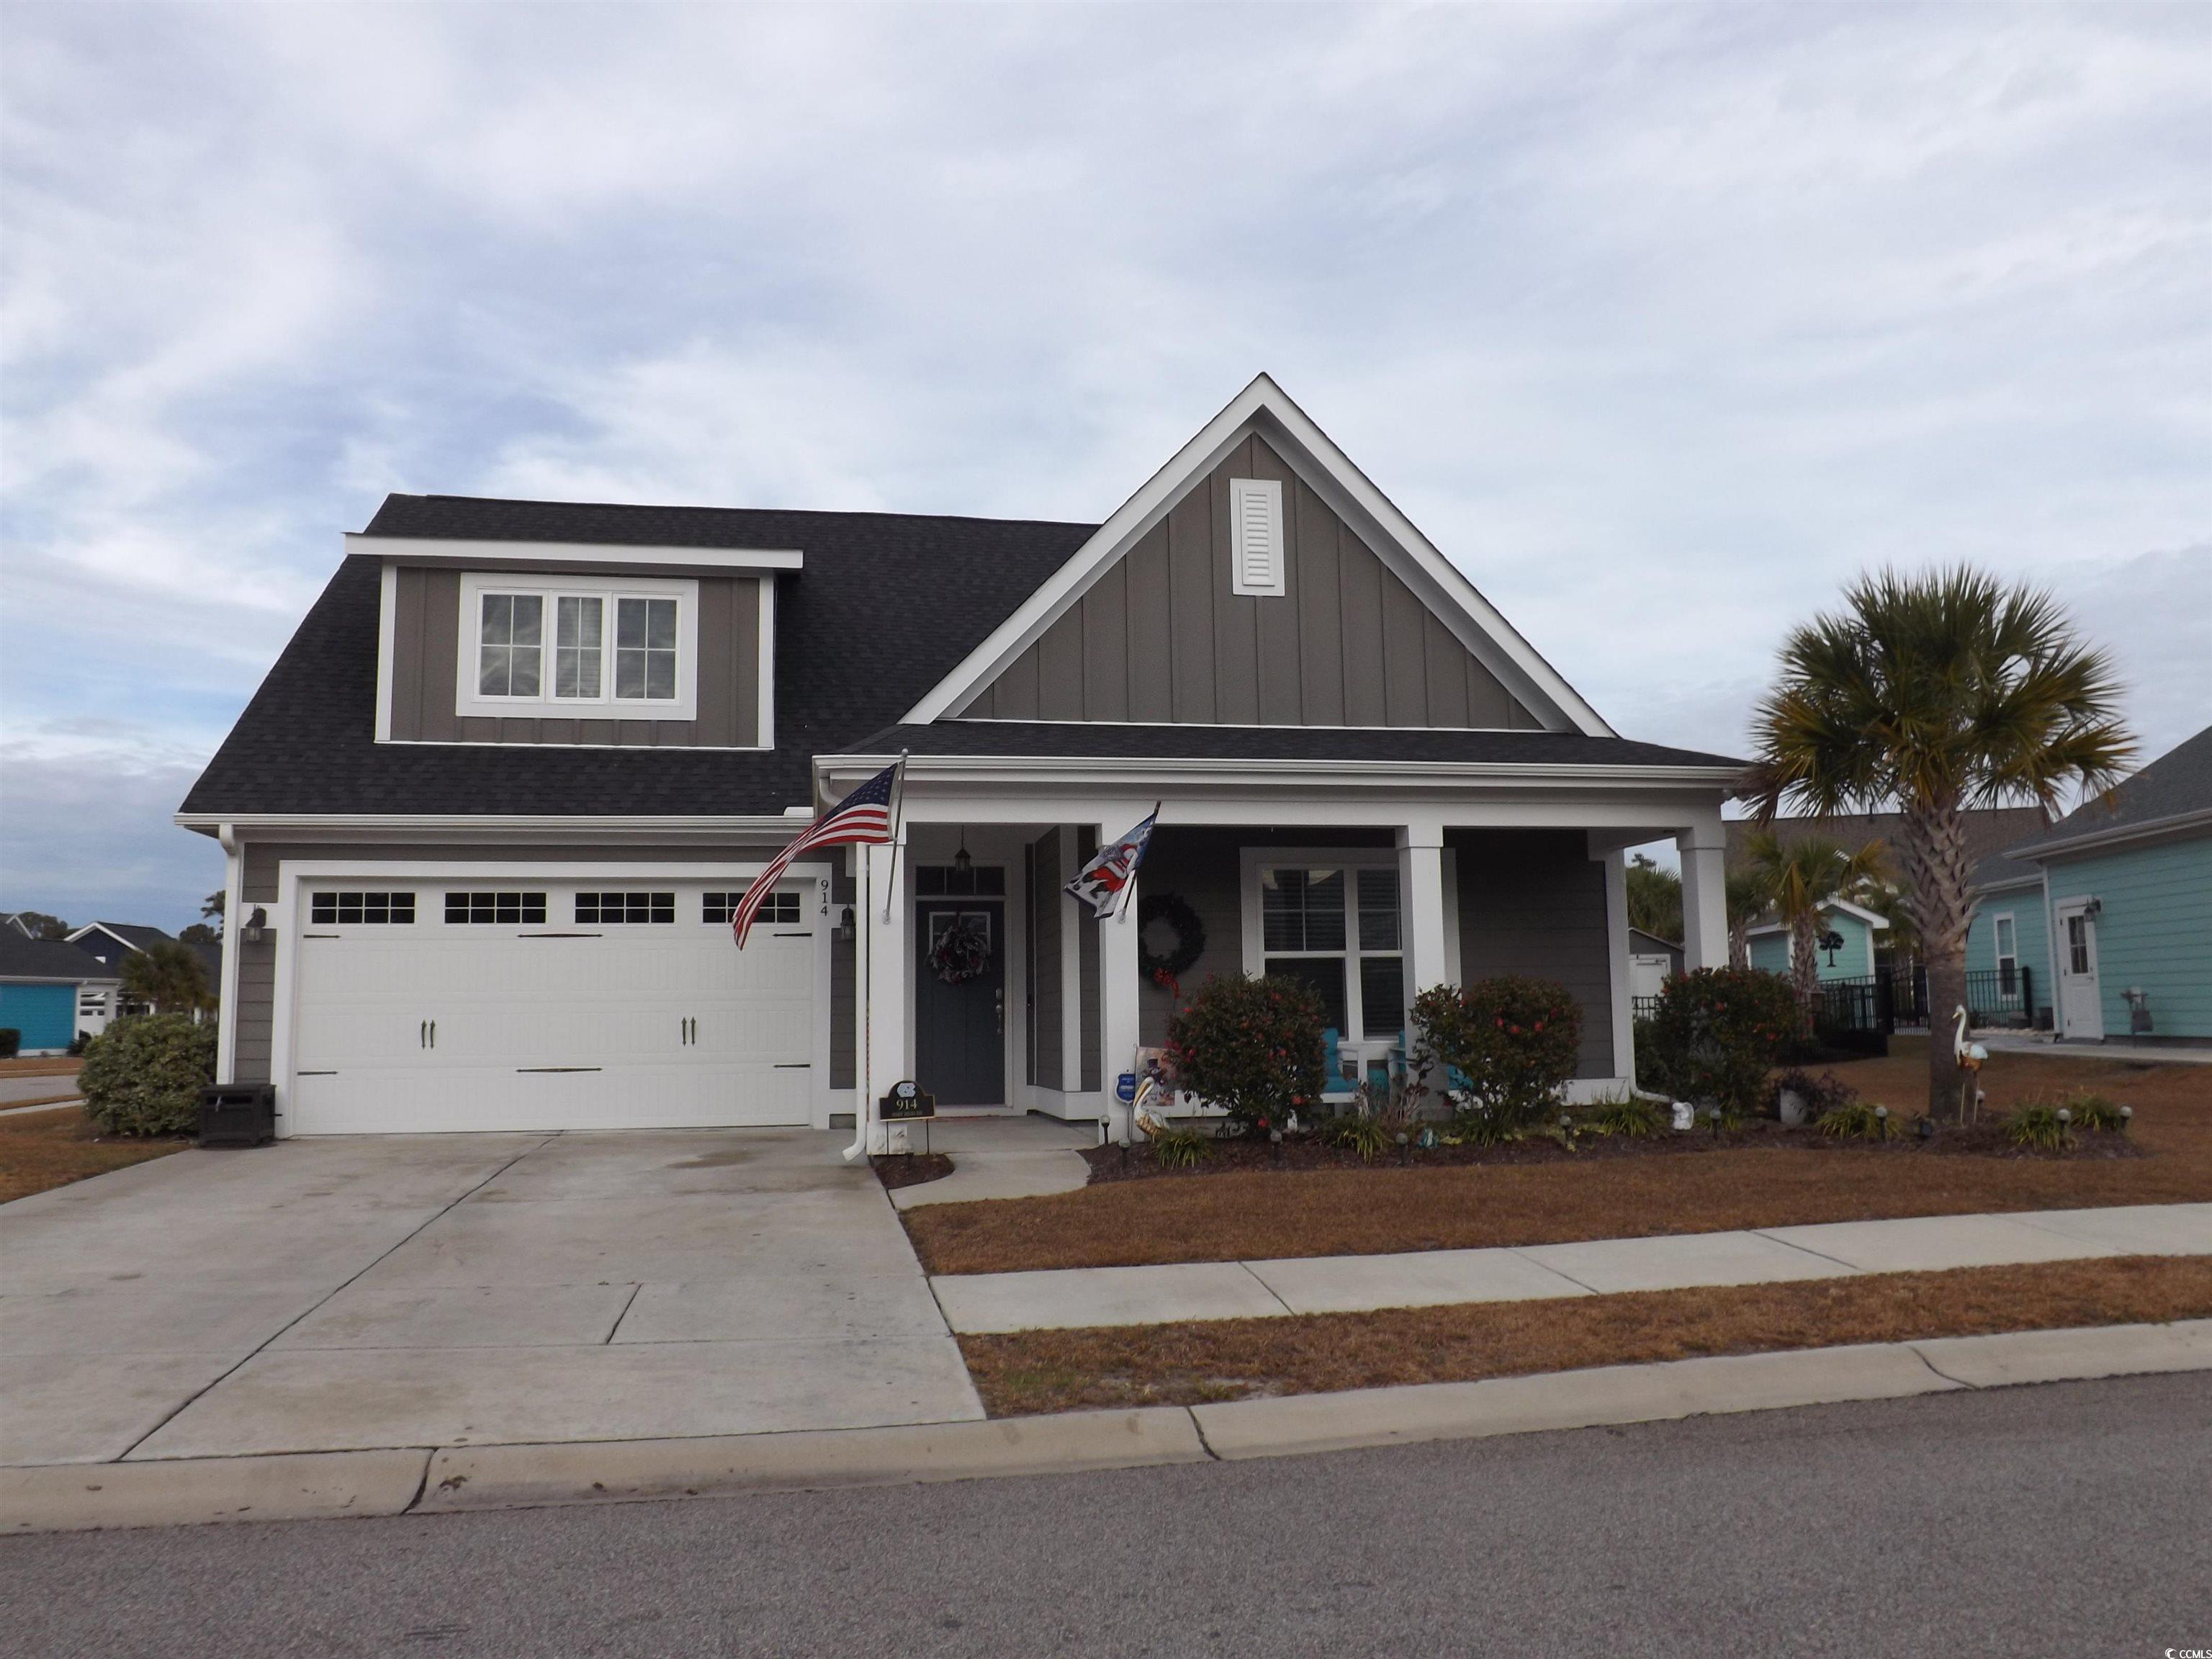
[(434, 1025), (1647, 975), (2080, 1001)]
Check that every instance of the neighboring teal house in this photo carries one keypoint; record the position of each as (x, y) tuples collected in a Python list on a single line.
[(2008, 946), (2126, 906), (1853, 925), (49, 992)]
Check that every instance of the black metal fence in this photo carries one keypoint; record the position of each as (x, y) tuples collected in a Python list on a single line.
[(1883, 1002)]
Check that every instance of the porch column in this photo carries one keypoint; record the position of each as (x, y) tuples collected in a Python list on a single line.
[(1119, 977), (883, 1046), (1704, 850), (1422, 919)]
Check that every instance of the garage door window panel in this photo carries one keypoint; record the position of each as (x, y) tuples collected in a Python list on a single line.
[(496, 909), (348, 908), (629, 909), (778, 909)]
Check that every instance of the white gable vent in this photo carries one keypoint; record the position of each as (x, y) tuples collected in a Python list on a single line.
[(1256, 536)]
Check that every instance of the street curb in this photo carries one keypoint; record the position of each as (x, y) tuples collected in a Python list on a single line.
[(459, 1480), (301, 1487), (507, 1477)]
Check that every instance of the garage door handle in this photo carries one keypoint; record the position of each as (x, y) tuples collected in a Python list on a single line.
[(422, 1034), (434, 1034)]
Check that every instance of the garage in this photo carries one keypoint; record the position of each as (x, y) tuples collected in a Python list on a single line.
[(475, 1001)]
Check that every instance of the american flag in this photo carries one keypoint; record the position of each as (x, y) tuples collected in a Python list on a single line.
[(863, 816)]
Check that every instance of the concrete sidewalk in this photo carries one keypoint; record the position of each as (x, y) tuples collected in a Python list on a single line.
[(1030, 1156), (1069, 1298), (444, 1480)]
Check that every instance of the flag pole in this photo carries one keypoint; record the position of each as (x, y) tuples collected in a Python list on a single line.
[(898, 807)]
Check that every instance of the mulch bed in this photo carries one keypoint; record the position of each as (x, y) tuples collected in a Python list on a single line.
[(1190, 1364), (1303, 1152), (911, 1169)]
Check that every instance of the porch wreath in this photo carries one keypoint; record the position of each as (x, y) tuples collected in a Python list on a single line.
[(1183, 921), (962, 951)]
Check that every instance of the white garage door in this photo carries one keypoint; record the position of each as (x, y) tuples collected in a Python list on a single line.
[(470, 1004)]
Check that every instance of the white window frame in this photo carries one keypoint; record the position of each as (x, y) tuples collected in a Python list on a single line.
[(1257, 861), (2000, 924), (476, 585), (1266, 495)]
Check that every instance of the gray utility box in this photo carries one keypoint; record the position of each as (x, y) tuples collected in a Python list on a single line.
[(238, 1115)]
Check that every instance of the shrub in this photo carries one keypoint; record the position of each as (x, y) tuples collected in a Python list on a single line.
[(2096, 1112), (11, 1041), (2037, 1128), (1355, 1132), (1853, 1119), (77, 1044), (1249, 1046), (1716, 1031), (1635, 1117), (143, 1076), (1181, 1149), (1504, 1048)]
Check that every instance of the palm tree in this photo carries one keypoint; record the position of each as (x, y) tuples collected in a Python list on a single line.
[(1748, 901), (168, 977), (1799, 877), (1938, 694)]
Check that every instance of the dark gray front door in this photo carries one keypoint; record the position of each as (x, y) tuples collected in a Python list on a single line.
[(960, 1024)]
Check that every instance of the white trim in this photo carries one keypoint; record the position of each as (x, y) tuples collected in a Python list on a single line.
[(387, 618), (1085, 768), (477, 584), (1071, 973), (101, 927), (1267, 494), (764, 724), (292, 872), (1998, 957), (1616, 956), (1263, 407), (1876, 923), (225, 1030), (2150, 830), (415, 549)]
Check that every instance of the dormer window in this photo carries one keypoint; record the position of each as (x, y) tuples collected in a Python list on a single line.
[(624, 647)]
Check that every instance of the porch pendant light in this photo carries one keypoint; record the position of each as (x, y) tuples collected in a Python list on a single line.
[(961, 861)]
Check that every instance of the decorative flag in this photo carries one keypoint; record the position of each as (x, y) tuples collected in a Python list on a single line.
[(1103, 883), (863, 816)]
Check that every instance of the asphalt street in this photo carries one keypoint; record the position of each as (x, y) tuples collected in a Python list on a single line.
[(2074, 1519)]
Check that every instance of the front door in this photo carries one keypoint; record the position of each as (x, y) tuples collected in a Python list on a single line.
[(960, 1000), (2080, 1003)]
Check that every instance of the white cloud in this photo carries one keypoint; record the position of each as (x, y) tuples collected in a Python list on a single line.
[(1663, 321)]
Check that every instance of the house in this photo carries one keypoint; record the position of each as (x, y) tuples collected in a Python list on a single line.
[(110, 943), (50, 991), (2121, 891), (2008, 946), (1652, 961), (487, 817), (1856, 932)]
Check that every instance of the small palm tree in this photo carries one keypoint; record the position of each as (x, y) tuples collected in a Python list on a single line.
[(1938, 694), (1799, 877), (168, 977), (1748, 901)]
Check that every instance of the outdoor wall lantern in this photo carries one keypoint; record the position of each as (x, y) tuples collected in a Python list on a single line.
[(256, 926), (845, 923)]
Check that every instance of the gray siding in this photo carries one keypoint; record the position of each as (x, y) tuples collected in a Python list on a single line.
[(1532, 901), (1160, 637), (1045, 1046), (426, 643), (256, 885)]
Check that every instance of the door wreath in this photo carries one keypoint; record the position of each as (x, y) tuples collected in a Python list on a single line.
[(1189, 937), (962, 951)]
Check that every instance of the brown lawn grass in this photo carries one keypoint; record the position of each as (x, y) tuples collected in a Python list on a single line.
[(1248, 1215), (1239, 1358), (39, 1149), (41, 1066)]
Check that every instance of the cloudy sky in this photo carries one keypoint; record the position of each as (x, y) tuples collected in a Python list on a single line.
[(1662, 322)]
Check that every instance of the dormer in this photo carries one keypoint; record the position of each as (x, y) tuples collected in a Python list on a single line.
[(583, 644)]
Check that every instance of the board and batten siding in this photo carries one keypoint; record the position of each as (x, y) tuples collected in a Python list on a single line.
[(426, 644), (1532, 901), (2154, 932), (262, 866), (1160, 638)]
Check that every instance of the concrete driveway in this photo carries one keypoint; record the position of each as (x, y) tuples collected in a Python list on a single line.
[(451, 1290)]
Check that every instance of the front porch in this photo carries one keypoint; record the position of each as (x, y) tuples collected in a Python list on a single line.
[(1365, 900)]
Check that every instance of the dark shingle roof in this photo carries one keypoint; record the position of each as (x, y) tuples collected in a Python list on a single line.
[(887, 605), (2176, 783), (134, 933), (1990, 830), (1046, 739), (48, 959)]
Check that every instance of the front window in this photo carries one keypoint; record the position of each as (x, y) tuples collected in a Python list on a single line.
[(1337, 928), (2007, 957), (510, 638), (645, 649), (623, 648)]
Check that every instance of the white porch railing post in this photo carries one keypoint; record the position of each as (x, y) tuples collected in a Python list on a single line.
[(1704, 850), (1119, 979), (889, 959)]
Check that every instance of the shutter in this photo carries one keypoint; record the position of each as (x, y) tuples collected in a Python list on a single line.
[(1255, 531)]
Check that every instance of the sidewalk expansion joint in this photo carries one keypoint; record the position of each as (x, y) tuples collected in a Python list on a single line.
[(1817, 1256), (1523, 1252), (1198, 1429), (1923, 1358), (1272, 1293)]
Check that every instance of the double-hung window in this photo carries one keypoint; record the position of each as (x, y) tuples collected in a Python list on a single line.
[(1336, 927), (605, 647), (2008, 947)]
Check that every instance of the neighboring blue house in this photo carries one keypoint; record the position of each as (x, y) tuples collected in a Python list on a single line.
[(2117, 898), (2008, 946), (50, 991), (1856, 925)]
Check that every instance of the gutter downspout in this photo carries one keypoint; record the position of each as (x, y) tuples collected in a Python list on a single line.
[(226, 1026)]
